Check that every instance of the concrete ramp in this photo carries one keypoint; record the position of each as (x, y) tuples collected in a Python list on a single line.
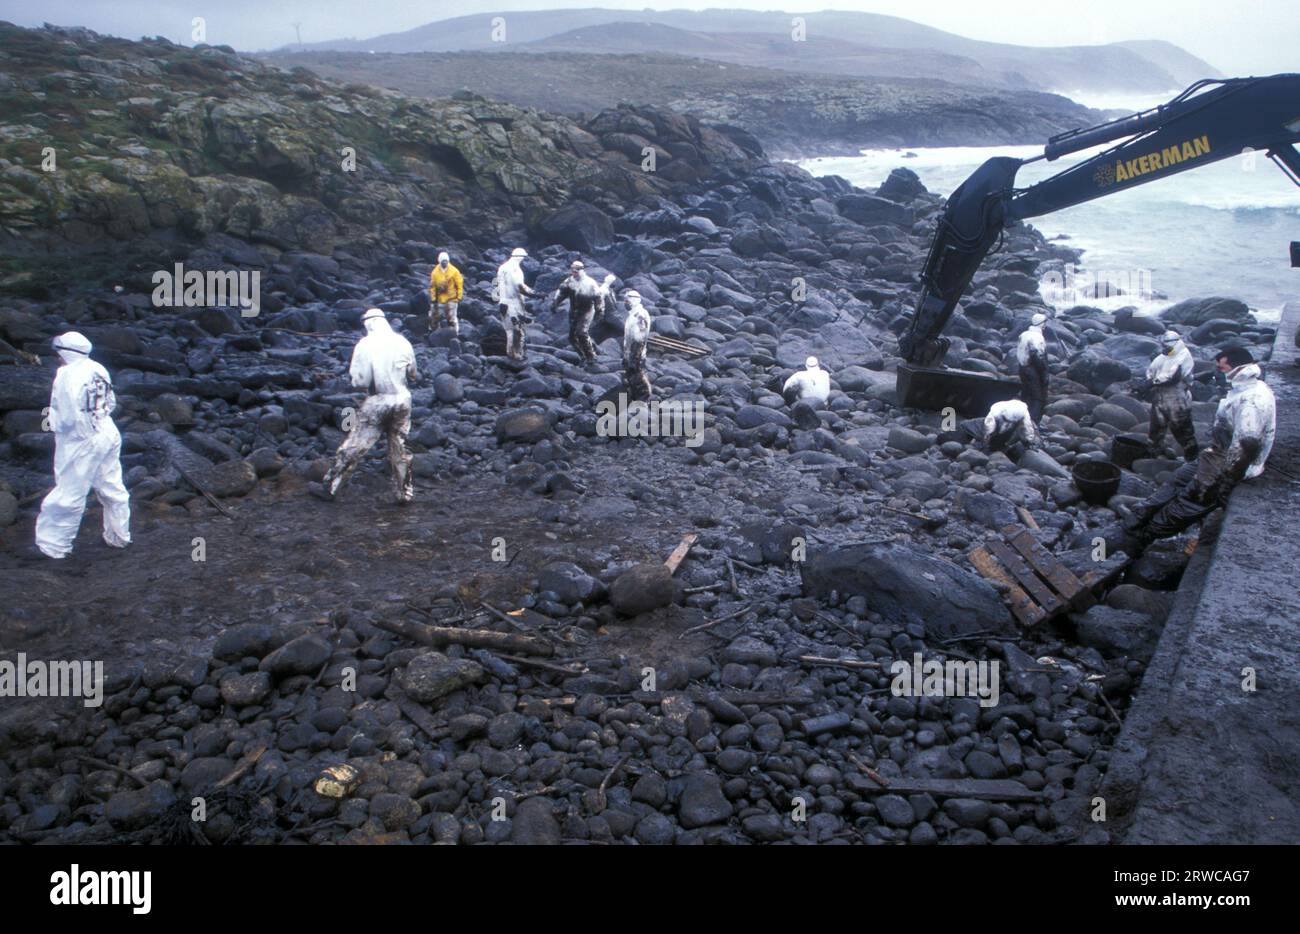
[(1201, 760)]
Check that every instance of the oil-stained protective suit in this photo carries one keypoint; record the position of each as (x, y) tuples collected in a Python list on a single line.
[(1031, 355), (1240, 442), (585, 297), (636, 331), (510, 289), (382, 362), (1170, 375), (1008, 427)]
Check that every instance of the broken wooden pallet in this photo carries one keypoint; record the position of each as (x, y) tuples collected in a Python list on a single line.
[(671, 345), (1034, 584)]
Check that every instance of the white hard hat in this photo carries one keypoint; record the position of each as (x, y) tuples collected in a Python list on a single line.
[(632, 295), (74, 341), (1038, 319), (372, 313), (811, 363), (1170, 337), (518, 251), (443, 257)]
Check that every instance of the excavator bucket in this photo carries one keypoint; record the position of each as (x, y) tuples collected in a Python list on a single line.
[(968, 392)]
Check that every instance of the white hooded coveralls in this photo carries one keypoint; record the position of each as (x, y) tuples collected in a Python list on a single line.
[(812, 384), (1006, 419), (381, 363), (1172, 367), (636, 331), (1246, 418), (87, 447), (510, 286), (1032, 344), (510, 290)]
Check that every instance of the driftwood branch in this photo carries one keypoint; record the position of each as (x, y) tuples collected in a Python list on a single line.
[(437, 636)]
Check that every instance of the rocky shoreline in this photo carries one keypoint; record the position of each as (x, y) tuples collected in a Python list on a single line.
[(797, 115), (770, 716)]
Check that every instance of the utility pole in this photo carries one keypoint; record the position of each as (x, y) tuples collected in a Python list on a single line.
[(297, 28)]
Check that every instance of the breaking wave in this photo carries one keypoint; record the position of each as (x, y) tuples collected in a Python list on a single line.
[(1223, 229)]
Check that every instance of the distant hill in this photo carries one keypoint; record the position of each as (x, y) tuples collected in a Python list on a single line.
[(844, 43), (793, 113)]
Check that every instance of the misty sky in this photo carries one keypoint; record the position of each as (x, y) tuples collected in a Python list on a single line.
[(1239, 37)]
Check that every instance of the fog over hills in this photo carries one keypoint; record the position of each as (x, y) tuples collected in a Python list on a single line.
[(844, 43)]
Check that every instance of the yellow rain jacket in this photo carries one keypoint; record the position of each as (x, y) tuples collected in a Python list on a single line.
[(446, 285)]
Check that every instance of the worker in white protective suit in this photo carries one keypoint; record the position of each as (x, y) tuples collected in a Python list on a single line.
[(812, 384), (382, 362), (1009, 427), (1170, 376), (509, 290), (636, 331), (87, 447), (1031, 356), (1244, 427)]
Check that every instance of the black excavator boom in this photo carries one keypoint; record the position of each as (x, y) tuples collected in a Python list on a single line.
[(1210, 121)]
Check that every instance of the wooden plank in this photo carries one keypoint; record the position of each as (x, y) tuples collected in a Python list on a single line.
[(1044, 562), (679, 553), (987, 789), (1043, 594), (1023, 608), (416, 714), (241, 769)]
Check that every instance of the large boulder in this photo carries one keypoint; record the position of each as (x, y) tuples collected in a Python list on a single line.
[(903, 185), (432, 675), (1097, 372), (523, 426), (836, 345), (1118, 632), (577, 226), (25, 387), (302, 656), (703, 802), (909, 586), (1195, 311), (229, 478), (137, 808), (1126, 320), (869, 210), (642, 588), (1133, 350), (755, 241)]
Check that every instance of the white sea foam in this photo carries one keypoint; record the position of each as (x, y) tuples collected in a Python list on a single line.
[(1222, 229)]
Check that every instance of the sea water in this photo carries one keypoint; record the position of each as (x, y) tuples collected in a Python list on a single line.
[(1222, 229)]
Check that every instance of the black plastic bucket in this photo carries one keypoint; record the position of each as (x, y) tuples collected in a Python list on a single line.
[(1125, 449), (1098, 481)]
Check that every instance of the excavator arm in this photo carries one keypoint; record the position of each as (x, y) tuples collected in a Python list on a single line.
[(1210, 121)]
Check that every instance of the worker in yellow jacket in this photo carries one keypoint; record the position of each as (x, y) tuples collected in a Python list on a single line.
[(446, 286)]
